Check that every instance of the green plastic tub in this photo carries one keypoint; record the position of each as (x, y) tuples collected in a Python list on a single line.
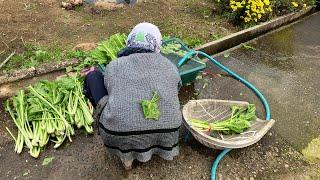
[(190, 69)]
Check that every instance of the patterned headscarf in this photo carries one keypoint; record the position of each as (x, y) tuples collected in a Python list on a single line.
[(145, 36)]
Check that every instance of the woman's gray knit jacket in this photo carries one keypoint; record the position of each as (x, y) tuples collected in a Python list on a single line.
[(123, 128)]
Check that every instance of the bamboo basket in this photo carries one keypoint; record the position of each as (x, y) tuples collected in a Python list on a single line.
[(216, 110)]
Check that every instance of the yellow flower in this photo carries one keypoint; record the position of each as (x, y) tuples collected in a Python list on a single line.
[(234, 8), (259, 16), (294, 4), (246, 19), (238, 4), (266, 2), (252, 10)]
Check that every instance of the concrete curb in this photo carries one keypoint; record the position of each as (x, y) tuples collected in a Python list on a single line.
[(251, 33), (210, 48), (31, 72)]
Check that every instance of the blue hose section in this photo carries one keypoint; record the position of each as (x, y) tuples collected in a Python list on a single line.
[(239, 78)]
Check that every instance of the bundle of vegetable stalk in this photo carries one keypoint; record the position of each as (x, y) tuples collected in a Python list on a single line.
[(49, 111), (105, 52), (240, 120)]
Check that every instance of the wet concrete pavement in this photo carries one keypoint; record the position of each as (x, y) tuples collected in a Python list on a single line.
[(284, 67)]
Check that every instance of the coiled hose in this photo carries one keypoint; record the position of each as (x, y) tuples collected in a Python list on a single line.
[(239, 78)]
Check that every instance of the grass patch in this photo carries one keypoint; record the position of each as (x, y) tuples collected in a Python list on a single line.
[(193, 42), (216, 36), (182, 33), (87, 18), (33, 56), (205, 12)]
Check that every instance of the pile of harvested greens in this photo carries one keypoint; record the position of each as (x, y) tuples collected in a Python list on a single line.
[(49, 111), (239, 121)]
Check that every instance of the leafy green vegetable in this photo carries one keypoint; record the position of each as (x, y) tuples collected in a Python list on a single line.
[(226, 55), (205, 85), (236, 124), (173, 48), (26, 173), (47, 161), (248, 47), (108, 49), (199, 77), (105, 52), (150, 107), (48, 111)]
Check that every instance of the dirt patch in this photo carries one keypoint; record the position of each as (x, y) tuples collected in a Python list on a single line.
[(107, 6), (45, 22)]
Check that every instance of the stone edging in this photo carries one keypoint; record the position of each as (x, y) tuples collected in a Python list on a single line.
[(31, 72), (237, 38), (210, 48)]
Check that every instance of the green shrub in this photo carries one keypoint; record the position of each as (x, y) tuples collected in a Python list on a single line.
[(282, 7)]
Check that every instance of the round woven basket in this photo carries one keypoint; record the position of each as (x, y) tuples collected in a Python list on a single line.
[(216, 110)]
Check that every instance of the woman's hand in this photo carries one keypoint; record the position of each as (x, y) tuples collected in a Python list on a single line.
[(86, 71)]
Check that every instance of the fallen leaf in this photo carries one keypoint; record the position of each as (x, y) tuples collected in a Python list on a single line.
[(226, 55), (248, 47), (69, 69), (205, 85), (47, 161), (26, 173), (199, 77)]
